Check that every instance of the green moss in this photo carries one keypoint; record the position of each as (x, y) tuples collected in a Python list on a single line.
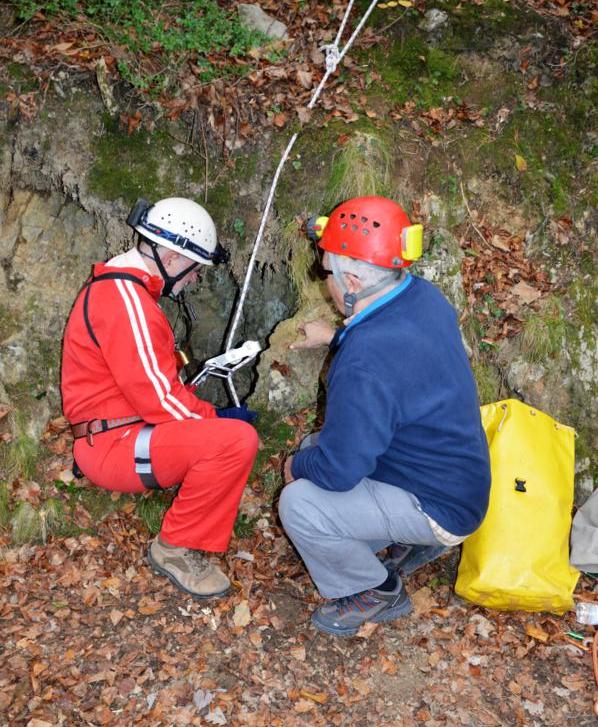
[(246, 165), (301, 187), (21, 78), (97, 502), (220, 203), (584, 296), (130, 166), (8, 322), (411, 70), (552, 149), (474, 27), (274, 436), (43, 363)]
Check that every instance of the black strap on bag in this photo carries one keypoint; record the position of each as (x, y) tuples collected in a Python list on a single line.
[(94, 279)]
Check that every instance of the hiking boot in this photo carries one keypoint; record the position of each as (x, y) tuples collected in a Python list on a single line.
[(189, 570), (406, 559), (344, 616)]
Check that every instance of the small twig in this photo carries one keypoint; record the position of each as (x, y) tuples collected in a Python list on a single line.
[(482, 238), (180, 141), (192, 132), (394, 22), (238, 675), (206, 159)]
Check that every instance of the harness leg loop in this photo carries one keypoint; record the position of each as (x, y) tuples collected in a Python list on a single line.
[(143, 463)]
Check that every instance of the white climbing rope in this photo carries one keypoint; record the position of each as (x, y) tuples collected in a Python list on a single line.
[(334, 56)]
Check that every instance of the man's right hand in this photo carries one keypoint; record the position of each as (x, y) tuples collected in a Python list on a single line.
[(317, 333)]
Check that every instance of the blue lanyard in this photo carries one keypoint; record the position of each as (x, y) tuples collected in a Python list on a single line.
[(373, 307)]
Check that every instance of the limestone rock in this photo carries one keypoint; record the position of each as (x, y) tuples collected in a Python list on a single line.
[(253, 17), (290, 379), (434, 19)]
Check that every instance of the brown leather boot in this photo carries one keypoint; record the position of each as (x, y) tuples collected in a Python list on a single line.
[(189, 570)]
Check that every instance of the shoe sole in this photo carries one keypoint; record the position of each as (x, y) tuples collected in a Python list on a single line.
[(391, 615), (163, 572)]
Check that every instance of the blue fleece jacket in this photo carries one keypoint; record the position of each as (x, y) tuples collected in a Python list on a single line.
[(402, 408)]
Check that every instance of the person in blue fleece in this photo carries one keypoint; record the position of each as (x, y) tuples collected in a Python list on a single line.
[(401, 461)]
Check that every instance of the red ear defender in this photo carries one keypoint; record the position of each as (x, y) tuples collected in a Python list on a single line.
[(374, 229)]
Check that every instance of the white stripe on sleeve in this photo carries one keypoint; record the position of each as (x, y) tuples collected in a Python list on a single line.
[(149, 346), (142, 354)]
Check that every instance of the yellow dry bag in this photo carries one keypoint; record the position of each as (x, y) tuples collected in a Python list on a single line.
[(519, 557)]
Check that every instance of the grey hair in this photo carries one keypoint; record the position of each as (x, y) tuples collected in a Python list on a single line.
[(369, 274)]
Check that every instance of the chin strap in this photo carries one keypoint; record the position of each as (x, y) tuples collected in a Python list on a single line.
[(350, 299), (169, 280)]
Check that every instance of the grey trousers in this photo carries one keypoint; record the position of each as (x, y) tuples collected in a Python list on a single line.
[(339, 533)]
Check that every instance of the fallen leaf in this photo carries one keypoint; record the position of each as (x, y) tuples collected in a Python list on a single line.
[(304, 705), (537, 633), (242, 614), (305, 78), (318, 697), (520, 163), (500, 242), (514, 687), (304, 114), (367, 629), (423, 601), (148, 607), (61, 47), (116, 616), (298, 652), (111, 583), (363, 686), (38, 667), (575, 682), (526, 293), (282, 368), (59, 424)]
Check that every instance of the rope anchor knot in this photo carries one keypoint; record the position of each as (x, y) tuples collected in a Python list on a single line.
[(333, 56)]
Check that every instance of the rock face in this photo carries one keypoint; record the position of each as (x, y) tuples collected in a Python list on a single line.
[(54, 224), (255, 18), (47, 247)]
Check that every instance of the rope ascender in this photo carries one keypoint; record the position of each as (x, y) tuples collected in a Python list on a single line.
[(224, 365)]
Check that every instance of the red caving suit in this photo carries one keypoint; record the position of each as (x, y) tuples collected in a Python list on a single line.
[(132, 371)]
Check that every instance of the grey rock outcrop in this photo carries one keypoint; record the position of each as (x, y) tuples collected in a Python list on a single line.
[(253, 17)]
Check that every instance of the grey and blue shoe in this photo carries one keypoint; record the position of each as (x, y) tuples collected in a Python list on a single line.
[(406, 559), (344, 616)]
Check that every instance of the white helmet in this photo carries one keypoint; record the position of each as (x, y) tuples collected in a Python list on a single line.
[(181, 225)]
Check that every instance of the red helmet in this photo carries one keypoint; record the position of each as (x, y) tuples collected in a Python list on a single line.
[(374, 229)]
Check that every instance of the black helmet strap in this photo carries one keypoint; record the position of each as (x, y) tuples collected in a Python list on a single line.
[(169, 280)]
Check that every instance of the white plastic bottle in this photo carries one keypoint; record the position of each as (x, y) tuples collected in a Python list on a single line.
[(587, 613)]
